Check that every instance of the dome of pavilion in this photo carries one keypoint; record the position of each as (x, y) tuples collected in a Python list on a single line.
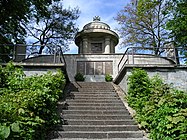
[(96, 37)]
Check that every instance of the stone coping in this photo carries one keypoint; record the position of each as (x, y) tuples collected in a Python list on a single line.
[(155, 66), (37, 64)]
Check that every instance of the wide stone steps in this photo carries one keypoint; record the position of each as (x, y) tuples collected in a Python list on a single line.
[(92, 112), (97, 117), (95, 98), (89, 95), (95, 111), (100, 122), (96, 104), (100, 134), (95, 108), (100, 128)]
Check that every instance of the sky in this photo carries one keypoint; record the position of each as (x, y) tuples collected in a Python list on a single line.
[(105, 9)]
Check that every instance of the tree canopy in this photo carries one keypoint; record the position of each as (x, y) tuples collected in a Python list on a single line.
[(177, 23), (15, 12), (45, 20), (56, 29), (142, 24)]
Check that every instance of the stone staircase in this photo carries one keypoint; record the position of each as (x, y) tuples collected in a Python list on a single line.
[(95, 111)]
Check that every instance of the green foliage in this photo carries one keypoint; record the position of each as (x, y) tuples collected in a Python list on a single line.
[(79, 77), (177, 24), (142, 24), (60, 24), (15, 13), (108, 78), (28, 104), (160, 109)]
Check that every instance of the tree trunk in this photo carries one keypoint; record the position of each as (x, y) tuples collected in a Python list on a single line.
[(41, 49)]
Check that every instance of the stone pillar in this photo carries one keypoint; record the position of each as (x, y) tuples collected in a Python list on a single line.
[(20, 53), (85, 45), (107, 45), (112, 47), (80, 48)]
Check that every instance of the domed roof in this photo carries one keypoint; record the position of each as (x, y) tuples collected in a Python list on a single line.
[(96, 28), (96, 24)]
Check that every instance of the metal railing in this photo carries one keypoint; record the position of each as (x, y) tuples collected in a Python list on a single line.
[(21, 53), (132, 53)]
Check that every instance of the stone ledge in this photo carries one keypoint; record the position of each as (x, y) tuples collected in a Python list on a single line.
[(37, 64)]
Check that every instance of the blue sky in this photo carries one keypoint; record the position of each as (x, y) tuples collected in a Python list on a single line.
[(106, 9)]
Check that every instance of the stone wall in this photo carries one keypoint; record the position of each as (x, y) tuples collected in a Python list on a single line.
[(171, 75), (30, 69), (95, 66)]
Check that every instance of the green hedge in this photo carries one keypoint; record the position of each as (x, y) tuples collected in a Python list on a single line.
[(160, 109), (28, 104)]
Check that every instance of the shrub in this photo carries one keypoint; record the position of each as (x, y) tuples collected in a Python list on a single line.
[(108, 78), (28, 104), (79, 77), (159, 108)]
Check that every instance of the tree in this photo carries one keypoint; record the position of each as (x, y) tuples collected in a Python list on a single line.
[(142, 24), (56, 29), (15, 13), (178, 23)]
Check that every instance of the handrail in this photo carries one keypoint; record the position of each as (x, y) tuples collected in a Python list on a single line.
[(165, 49), (62, 55), (122, 58)]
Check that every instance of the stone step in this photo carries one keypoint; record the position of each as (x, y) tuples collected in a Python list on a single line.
[(101, 139), (99, 128), (75, 96), (94, 104), (95, 98), (91, 84), (95, 111), (100, 122), (108, 112), (95, 108), (100, 135), (94, 90), (93, 95), (96, 117), (95, 86)]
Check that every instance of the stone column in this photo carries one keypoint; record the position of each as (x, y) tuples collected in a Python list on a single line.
[(85, 45), (112, 47), (107, 45), (80, 47), (20, 53)]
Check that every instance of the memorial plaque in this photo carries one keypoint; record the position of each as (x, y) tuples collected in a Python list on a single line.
[(108, 68), (98, 68), (89, 68), (81, 67)]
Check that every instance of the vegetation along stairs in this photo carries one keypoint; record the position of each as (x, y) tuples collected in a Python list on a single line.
[(93, 110)]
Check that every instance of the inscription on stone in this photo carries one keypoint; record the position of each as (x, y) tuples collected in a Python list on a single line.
[(89, 68), (95, 67), (108, 68), (81, 67), (98, 68)]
